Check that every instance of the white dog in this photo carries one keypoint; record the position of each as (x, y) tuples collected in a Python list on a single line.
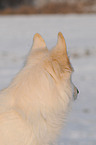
[(33, 108)]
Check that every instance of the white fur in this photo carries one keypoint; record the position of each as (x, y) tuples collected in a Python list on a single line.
[(33, 108)]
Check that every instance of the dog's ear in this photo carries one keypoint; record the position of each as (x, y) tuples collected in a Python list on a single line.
[(59, 55), (38, 42), (61, 44), (59, 52)]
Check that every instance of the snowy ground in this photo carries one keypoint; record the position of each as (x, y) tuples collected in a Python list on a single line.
[(16, 34)]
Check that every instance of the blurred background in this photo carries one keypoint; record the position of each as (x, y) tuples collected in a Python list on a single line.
[(76, 19), (47, 6)]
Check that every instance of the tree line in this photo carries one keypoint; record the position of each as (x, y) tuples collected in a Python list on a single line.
[(14, 3)]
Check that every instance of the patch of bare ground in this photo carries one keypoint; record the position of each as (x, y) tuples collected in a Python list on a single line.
[(86, 53)]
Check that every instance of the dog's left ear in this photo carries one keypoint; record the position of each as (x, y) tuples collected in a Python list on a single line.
[(38, 42)]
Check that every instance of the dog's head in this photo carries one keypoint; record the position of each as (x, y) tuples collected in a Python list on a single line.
[(55, 64)]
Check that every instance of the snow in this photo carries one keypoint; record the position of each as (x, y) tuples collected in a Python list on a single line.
[(16, 34)]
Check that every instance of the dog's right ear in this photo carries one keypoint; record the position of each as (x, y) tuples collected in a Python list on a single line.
[(61, 44), (38, 42)]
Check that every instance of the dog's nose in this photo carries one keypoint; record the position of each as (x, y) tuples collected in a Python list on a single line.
[(77, 91)]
